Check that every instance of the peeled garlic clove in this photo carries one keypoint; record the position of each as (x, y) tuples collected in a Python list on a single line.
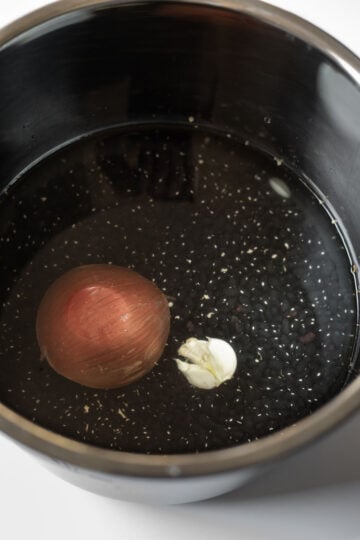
[(207, 363), (223, 356), (194, 350), (197, 375)]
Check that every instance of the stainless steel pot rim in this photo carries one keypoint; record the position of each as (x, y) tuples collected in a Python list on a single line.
[(272, 447)]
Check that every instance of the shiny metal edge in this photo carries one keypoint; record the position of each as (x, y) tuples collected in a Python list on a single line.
[(258, 452)]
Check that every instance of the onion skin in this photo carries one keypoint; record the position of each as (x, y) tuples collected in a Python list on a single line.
[(102, 326)]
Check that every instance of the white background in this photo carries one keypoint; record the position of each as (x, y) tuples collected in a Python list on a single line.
[(314, 495)]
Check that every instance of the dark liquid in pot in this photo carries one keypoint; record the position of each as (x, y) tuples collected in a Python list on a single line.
[(246, 252)]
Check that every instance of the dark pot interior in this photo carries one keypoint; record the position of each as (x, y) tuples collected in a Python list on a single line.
[(104, 66), (106, 70)]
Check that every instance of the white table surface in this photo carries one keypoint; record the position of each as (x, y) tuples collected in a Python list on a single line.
[(314, 495)]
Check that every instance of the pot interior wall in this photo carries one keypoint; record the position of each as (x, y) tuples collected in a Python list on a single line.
[(109, 65)]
